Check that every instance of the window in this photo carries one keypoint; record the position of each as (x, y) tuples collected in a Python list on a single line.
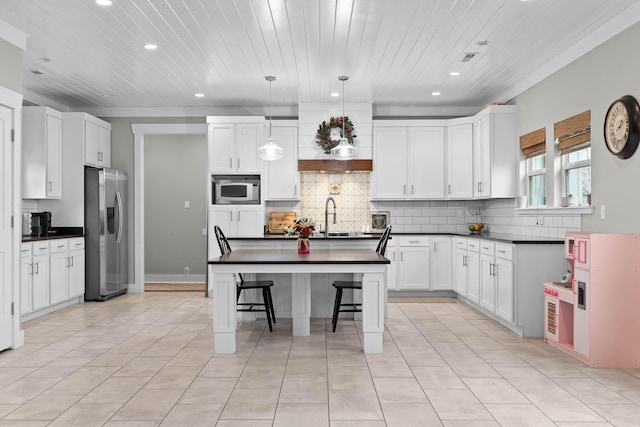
[(576, 174), (536, 184)]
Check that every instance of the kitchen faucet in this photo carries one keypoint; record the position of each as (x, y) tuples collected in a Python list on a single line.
[(326, 215)]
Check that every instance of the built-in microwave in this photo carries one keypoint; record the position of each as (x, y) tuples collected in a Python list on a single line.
[(235, 189)]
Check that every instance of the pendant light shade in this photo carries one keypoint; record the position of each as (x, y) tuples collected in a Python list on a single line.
[(344, 150), (270, 151)]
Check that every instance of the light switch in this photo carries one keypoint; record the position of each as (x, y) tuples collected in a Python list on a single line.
[(603, 214), (204, 231), (186, 204)]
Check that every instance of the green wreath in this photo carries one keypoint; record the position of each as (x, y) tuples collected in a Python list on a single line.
[(323, 136)]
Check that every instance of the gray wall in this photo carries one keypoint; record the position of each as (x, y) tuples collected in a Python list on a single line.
[(175, 171), (122, 158), (11, 68), (592, 82)]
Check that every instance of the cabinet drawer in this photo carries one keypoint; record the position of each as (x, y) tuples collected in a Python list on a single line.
[(413, 241), (76, 243), (40, 248), (487, 248), (56, 246), (473, 245), (461, 243), (25, 250), (504, 252)]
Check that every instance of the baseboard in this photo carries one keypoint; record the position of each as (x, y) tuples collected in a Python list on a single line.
[(425, 293), (174, 278)]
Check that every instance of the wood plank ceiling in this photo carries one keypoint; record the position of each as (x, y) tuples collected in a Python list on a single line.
[(396, 52)]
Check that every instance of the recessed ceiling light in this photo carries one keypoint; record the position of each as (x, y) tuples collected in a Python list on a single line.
[(454, 73), (435, 93), (104, 2), (482, 42), (335, 94), (150, 46), (199, 95), (44, 59), (106, 95)]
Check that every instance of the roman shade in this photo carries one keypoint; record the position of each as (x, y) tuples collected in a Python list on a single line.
[(574, 133), (534, 143)]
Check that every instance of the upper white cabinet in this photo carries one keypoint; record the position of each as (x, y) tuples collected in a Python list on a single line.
[(233, 144), (41, 153), (282, 176), (495, 152), (85, 132), (408, 162), (460, 161)]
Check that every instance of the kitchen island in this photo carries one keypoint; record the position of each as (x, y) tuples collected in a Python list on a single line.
[(300, 267)]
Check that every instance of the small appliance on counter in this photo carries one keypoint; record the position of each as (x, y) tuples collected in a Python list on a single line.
[(379, 221), (36, 224)]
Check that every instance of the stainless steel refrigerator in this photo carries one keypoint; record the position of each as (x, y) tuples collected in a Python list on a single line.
[(105, 212)]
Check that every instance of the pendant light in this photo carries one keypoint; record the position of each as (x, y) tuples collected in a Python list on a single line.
[(344, 150), (270, 151)]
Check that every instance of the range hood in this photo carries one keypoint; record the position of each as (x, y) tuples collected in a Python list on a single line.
[(356, 165)]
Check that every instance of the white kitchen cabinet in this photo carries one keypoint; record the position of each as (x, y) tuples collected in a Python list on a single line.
[(408, 162), (26, 279), (58, 271), (487, 281), (414, 263), (505, 282), (76, 266), (440, 263), (495, 151), (460, 161), (460, 272), (473, 270), (97, 146), (392, 269), (282, 176), (389, 179), (233, 144), (237, 220), (41, 153), (40, 275)]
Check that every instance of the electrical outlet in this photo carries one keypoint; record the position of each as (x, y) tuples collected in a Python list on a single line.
[(187, 205), (540, 220), (187, 270), (603, 214)]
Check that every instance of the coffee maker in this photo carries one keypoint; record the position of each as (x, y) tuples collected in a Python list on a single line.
[(36, 224)]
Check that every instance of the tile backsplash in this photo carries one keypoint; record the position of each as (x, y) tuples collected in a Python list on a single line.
[(353, 210)]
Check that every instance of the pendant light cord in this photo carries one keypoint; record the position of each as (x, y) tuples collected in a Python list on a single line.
[(270, 107)]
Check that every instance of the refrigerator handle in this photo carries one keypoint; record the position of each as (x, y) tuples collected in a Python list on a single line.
[(119, 199)]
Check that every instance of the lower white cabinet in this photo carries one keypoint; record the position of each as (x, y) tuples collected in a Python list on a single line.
[(505, 283), (473, 270), (51, 272), (413, 267), (392, 269), (440, 263), (238, 220)]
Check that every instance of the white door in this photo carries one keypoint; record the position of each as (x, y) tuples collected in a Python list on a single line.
[(104, 136), (473, 284), (6, 235), (221, 148), (487, 283), (460, 272), (92, 144), (54, 157), (504, 289), (222, 216), (249, 137), (76, 273), (389, 176), (282, 175), (249, 222), (58, 276), (441, 263), (460, 161), (414, 268), (392, 269)]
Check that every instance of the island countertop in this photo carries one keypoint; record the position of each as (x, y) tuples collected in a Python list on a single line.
[(285, 256)]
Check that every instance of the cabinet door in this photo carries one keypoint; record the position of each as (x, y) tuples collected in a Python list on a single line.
[(76, 273), (460, 161), (249, 221), (487, 283), (25, 285), (482, 157), (54, 157), (389, 176), (414, 268), (441, 263), (504, 289), (249, 137), (426, 163), (58, 277), (40, 288), (392, 269), (283, 178), (92, 144), (223, 217), (460, 271), (473, 271), (104, 138), (221, 148)]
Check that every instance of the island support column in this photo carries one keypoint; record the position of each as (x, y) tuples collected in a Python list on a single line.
[(301, 304), (224, 312), (373, 311)]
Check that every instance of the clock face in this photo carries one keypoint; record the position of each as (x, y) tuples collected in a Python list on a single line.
[(622, 127), (617, 127)]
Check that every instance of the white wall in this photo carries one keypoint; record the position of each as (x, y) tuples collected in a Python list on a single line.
[(592, 82)]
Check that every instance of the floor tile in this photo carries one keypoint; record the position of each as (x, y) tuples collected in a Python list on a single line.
[(438, 378), (410, 415), (495, 390), (251, 404), (292, 414), (148, 405), (173, 377), (193, 415), (519, 415), (86, 415), (46, 406), (457, 405), (209, 390), (619, 415), (115, 390), (399, 390), (304, 390)]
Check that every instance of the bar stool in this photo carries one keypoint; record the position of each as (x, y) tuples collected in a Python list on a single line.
[(264, 285), (341, 285)]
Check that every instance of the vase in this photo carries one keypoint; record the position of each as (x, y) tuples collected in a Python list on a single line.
[(303, 245)]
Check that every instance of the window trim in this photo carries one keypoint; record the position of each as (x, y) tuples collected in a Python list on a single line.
[(530, 173), (567, 165)]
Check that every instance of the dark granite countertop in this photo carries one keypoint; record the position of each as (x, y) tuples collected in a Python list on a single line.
[(57, 233)]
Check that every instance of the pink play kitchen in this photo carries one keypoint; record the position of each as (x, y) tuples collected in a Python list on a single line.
[(592, 313)]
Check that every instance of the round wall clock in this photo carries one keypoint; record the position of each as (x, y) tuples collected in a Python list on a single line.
[(622, 127)]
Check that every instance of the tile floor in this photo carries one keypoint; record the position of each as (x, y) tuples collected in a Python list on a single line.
[(147, 360)]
